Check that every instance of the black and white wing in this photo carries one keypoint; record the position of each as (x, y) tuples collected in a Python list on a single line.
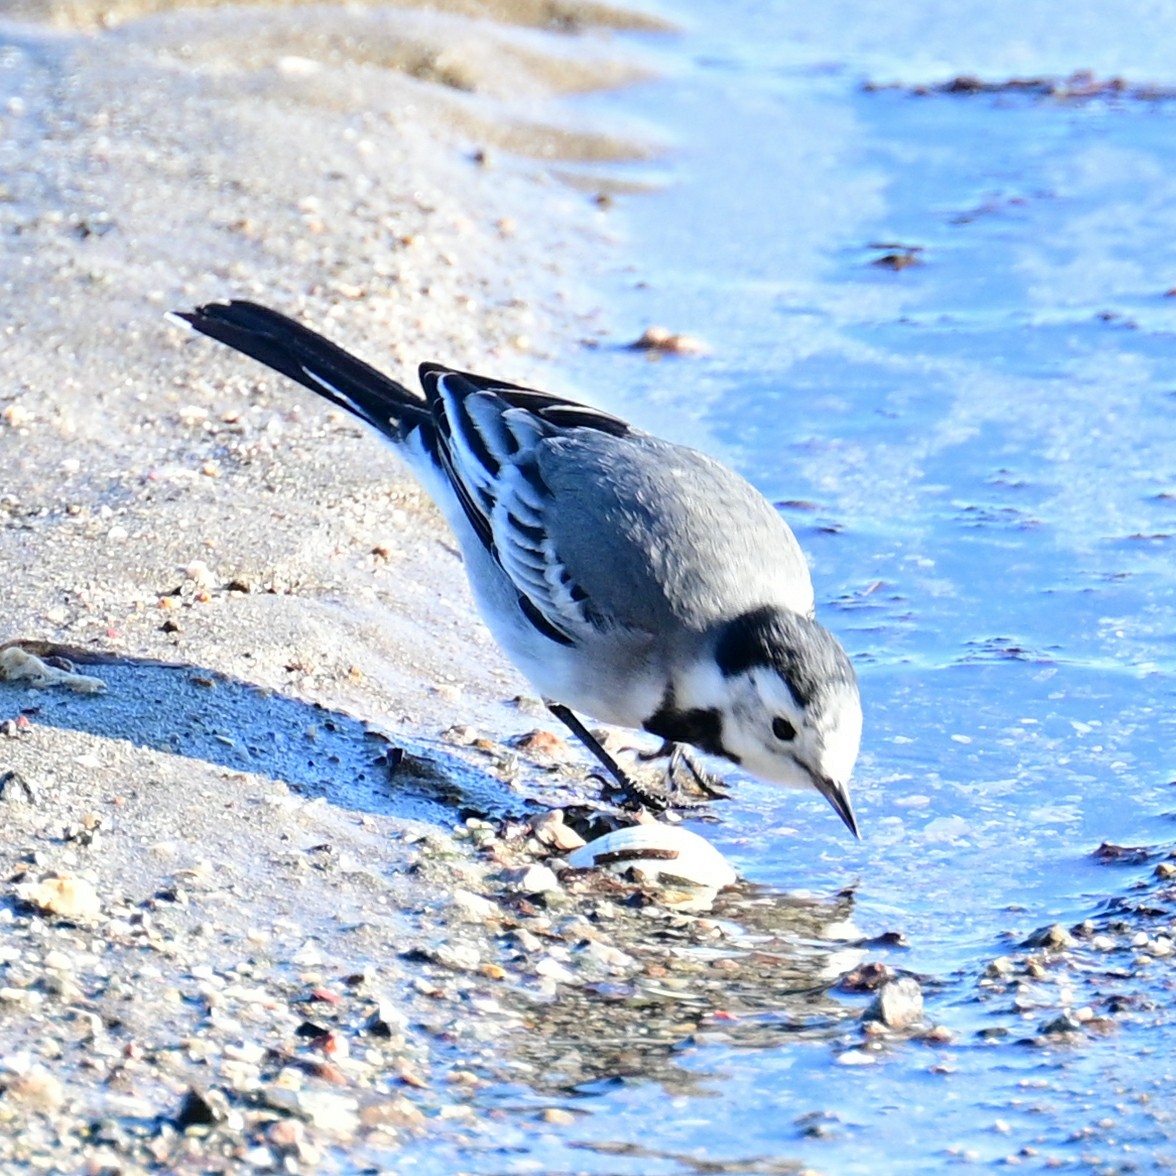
[(487, 440)]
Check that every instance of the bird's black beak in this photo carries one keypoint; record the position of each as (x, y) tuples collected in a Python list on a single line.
[(838, 796)]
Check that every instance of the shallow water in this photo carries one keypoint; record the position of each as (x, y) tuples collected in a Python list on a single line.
[(979, 455)]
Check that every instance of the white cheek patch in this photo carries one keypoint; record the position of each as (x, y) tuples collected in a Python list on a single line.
[(754, 700)]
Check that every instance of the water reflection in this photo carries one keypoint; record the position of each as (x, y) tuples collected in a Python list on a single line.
[(762, 965)]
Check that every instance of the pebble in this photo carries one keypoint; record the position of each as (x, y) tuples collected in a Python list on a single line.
[(533, 879), (475, 906), (1001, 966), (1055, 937), (898, 1004), (394, 1111), (15, 788), (542, 743), (66, 895), (1062, 1023), (336, 1114), (37, 1087), (196, 1109), (607, 955), (550, 829), (855, 1057), (552, 969), (557, 1116), (461, 957), (661, 339), (526, 940)]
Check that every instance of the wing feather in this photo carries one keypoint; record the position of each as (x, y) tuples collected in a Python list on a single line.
[(489, 436)]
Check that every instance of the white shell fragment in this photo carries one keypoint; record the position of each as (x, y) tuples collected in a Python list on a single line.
[(660, 852)]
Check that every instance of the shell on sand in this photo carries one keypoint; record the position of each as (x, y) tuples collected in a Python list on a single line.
[(659, 852)]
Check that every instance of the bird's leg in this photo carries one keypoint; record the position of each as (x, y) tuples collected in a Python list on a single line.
[(632, 793), (681, 759), (687, 782)]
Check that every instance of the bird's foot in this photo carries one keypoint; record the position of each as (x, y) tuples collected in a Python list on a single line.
[(687, 774), (685, 782)]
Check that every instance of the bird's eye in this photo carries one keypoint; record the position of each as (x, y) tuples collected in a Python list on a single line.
[(783, 730)]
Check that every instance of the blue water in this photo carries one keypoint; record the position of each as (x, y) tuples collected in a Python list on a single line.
[(985, 449)]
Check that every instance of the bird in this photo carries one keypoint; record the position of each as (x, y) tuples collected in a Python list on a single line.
[(632, 580)]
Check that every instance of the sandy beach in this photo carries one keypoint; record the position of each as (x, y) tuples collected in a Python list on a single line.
[(237, 928)]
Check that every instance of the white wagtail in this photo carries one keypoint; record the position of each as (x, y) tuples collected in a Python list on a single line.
[(634, 580)]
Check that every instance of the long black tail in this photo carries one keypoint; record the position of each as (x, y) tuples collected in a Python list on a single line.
[(316, 363)]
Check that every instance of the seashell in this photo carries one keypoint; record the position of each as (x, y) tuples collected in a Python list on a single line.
[(661, 852)]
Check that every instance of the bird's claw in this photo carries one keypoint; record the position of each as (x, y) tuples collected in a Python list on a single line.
[(684, 784)]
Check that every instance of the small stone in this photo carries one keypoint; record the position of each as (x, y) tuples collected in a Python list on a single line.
[(534, 879), (395, 1111), (665, 341), (337, 1114), (609, 956), (66, 895), (1054, 937), (15, 788), (898, 1005), (855, 1057), (1001, 966), (552, 969), (527, 941), (461, 957), (557, 1116), (1062, 1023), (58, 961), (386, 1020), (286, 1134), (16, 415), (37, 1087), (550, 829), (196, 1110), (474, 906), (540, 742)]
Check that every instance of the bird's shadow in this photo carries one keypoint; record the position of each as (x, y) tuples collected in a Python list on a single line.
[(187, 710)]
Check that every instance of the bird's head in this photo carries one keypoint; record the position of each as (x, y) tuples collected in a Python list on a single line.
[(791, 712)]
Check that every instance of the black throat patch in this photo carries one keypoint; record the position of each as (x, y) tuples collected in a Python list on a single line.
[(701, 728)]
